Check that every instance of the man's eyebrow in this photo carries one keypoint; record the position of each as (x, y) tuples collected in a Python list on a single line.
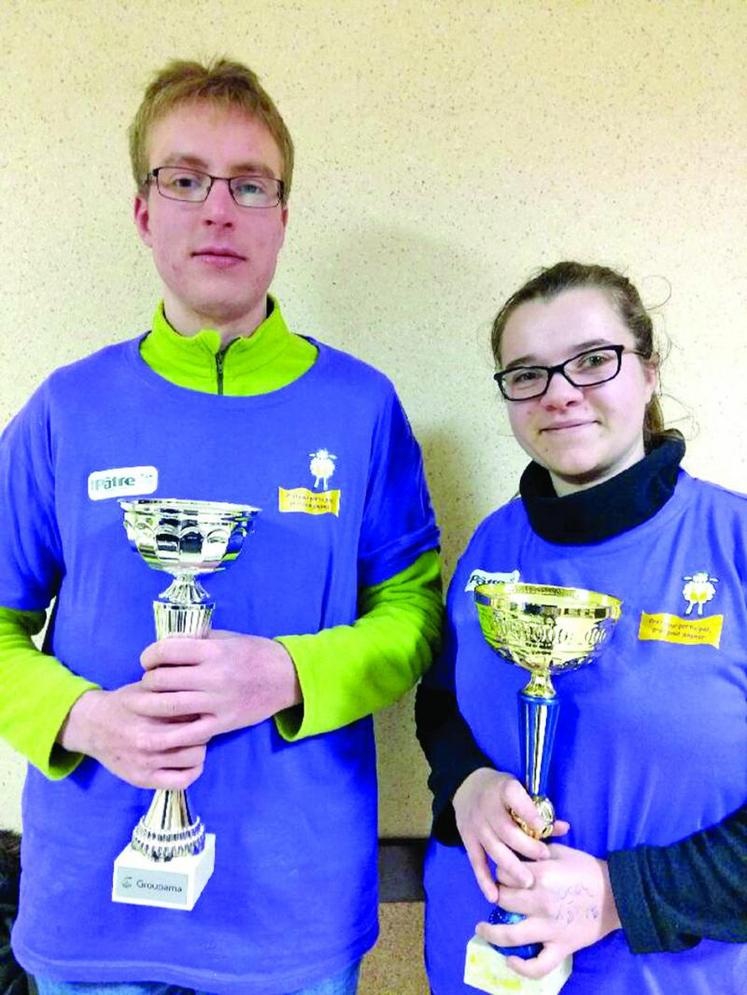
[(183, 159), (531, 360), (248, 167)]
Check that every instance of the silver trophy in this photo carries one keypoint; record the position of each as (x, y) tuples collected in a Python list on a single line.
[(170, 857)]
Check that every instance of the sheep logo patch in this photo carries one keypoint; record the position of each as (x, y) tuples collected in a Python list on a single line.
[(317, 500), (698, 590), (322, 466)]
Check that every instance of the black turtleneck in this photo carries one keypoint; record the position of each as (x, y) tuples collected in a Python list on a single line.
[(607, 509)]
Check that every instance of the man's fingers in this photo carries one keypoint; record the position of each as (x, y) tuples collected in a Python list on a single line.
[(175, 779), (171, 769), (181, 735), (173, 650), (153, 740), (175, 677), (181, 759), (172, 704)]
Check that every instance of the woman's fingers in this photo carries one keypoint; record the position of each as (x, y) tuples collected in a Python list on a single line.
[(509, 868), (481, 870), (514, 935), (537, 967)]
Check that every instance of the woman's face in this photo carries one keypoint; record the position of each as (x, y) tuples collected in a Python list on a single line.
[(581, 435)]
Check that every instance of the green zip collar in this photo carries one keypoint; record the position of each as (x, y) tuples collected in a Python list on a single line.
[(268, 359)]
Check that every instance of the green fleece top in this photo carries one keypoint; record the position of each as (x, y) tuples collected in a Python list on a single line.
[(344, 672)]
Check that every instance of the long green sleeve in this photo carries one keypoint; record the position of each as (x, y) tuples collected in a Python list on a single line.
[(350, 671), (36, 693)]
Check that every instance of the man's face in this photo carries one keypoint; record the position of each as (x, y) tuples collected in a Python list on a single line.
[(216, 259)]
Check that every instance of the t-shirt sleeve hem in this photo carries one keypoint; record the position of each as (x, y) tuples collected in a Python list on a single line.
[(385, 562)]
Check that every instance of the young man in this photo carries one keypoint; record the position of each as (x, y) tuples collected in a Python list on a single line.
[(332, 609)]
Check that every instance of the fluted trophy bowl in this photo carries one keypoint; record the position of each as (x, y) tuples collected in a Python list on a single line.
[(183, 538), (187, 538)]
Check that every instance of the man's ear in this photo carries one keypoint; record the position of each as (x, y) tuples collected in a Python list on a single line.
[(141, 213)]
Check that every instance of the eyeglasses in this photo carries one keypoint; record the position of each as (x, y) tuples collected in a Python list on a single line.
[(194, 186), (587, 369)]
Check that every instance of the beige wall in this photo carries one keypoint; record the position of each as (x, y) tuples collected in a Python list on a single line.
[(444, 151)]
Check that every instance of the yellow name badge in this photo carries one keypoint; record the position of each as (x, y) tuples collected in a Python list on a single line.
[(309, 502), (689, 631)]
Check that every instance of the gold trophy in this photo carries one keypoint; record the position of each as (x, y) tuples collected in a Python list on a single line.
[(170, 857), (547, 631)]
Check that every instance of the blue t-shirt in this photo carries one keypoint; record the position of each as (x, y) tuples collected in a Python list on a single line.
[(652, 738), (293, 898)]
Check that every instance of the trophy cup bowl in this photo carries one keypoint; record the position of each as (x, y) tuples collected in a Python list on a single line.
[(547, 631), (184, 539)]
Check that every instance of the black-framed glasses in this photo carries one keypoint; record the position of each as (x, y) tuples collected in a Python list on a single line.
[(194, 186), (586, 369)]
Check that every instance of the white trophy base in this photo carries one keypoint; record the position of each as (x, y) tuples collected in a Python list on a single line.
[(175, 884), (485, 969)]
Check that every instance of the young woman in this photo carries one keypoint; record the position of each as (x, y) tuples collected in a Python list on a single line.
[(652, 738)]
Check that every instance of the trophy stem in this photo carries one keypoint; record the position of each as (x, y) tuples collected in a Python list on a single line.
[(538, 720), (167, 829), (184, 589), (540, 686), (193, 620)]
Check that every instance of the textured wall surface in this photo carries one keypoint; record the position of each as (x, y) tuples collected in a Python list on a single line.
[(444, 151)]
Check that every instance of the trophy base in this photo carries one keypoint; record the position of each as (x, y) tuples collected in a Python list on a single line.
[(485, 969), (176, 885)]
